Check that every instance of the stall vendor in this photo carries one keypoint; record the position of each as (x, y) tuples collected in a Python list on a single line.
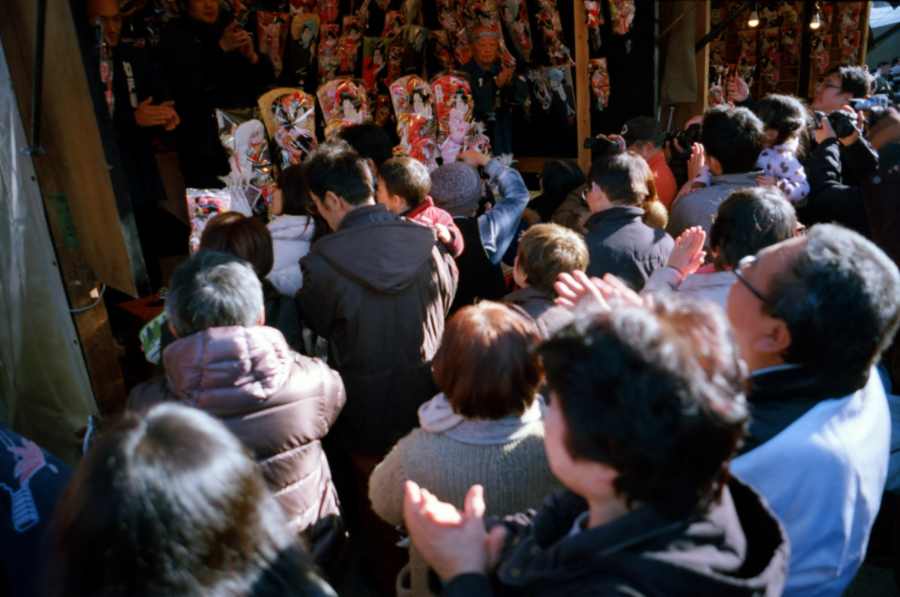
[(495, 88)]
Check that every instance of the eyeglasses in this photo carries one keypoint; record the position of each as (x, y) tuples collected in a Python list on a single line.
[(826, 85), (740, 276)]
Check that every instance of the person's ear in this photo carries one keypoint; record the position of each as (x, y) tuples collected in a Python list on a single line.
[(262, 316), (172, 329), (776, 339), (331, 201), (714, 165)]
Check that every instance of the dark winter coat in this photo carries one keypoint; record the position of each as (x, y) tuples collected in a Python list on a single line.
[(737, 549), (278, 403), (378, 290), (619, 243), (202, 78), (135, 80), (548, 316)]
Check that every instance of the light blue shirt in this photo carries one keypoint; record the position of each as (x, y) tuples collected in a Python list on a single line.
[(498, 226), (823, 476)]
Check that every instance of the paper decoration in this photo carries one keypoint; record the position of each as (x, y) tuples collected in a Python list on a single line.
[(717, 53), (289, 116), (349, 45), (440, 48), (549, 25), (790, 43), (622, 14), (747, 68), (302, 49), (599, 78), (327, 10), (344, 103), (718, 75), (594, 17), (769, 40), (243, 135), (770, 69), (747, 40), (790, 13), (415, 42), (272, 28), (768, 16), (329, 52), (416, 123), (453, 106), (848, 16), (302, 6), (514, 15), (202, 206), (820, 53), (393, 23), (374, 64), (850, 48)]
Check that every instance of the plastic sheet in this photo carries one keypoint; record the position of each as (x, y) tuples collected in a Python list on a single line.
[(44, 384)]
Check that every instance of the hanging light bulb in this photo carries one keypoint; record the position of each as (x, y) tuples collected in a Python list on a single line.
[(815, 23), (754, 18)]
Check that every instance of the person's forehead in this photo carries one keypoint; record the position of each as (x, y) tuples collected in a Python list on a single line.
[(103, 8), (777, 257), (834, 79)]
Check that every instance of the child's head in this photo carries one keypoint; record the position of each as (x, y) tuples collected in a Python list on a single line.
[(784, 117), (456, 187), (732, 138), (403, 183), (545, 251)]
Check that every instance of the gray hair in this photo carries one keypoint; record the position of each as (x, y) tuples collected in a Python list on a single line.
[(840, 300), (213, 289)]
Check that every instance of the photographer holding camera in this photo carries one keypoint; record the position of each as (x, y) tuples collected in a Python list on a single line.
[(840, 157)]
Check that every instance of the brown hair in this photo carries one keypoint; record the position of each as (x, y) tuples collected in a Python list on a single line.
[(406, 178), (655, 213), (547, 250), (486, 366), (244, 237)]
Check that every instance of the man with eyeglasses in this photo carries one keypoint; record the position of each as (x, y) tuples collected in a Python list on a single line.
[(811, 316)]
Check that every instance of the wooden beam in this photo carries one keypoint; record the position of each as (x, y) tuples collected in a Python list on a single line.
[(535, 165), (73, 181), (864, 32), (582, 86)]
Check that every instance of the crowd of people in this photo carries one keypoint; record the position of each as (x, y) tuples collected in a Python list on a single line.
[(667, 376)]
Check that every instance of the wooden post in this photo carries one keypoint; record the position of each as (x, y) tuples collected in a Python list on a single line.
[(74, 182), (864, 32), (701, 61), (582, 86)]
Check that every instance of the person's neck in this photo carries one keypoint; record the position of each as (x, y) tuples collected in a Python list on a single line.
[(605, 510), (757, 360), (483, 66)]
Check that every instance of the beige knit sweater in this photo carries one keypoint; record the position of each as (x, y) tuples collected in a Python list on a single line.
[(515, 477)]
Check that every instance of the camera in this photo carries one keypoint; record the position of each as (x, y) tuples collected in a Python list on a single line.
[(602, 144), (685, 138), (841, 122)]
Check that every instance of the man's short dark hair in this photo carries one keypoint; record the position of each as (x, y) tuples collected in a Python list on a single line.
[(213, 289), (370, 141), (883, 63), (407, 178), (840, 300), (560, 176), (486, 365), (337, 168), (622, 177), (733, 136), (854, 80), (547, 250), (750, 220), (657, 393)]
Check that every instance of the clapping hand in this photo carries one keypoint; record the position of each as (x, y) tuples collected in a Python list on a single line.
[(688, 254), (577, 291)]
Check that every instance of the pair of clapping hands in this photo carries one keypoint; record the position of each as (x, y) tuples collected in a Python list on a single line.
[(456, 543)]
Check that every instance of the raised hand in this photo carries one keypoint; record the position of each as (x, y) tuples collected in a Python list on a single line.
[(696, 161), (688, 254), (452, 542)]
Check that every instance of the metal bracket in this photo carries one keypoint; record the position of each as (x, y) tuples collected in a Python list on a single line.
[(37, 84)]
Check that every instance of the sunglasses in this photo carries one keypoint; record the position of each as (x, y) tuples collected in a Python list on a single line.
[(744, 261)]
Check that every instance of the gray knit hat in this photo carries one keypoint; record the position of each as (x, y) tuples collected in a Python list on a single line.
[(456, 187)]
